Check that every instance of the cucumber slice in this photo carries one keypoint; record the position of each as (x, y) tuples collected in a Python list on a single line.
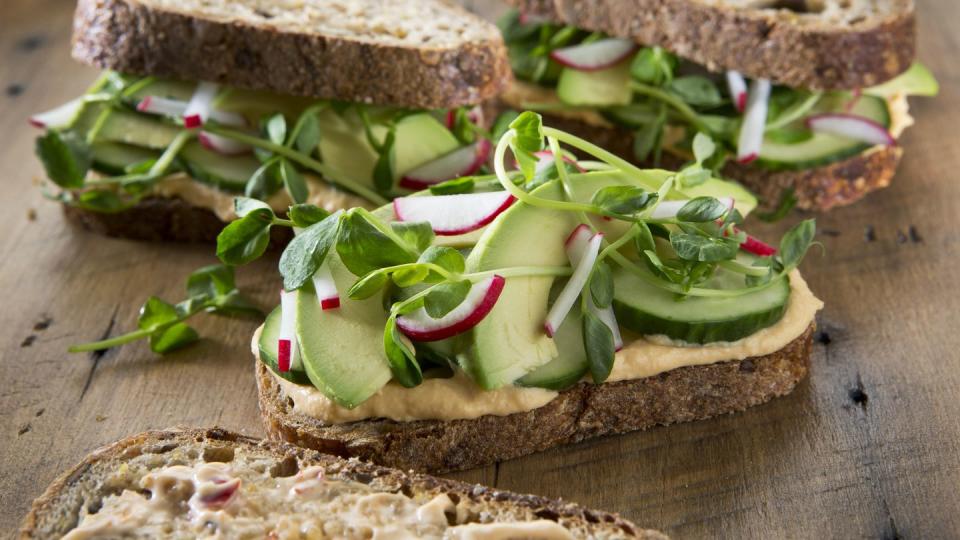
[(268, 349), (822, 148), (570, 366), (649, 310), (229, 173), (135, 129), (606, 87), (114, 158), (165, 88)]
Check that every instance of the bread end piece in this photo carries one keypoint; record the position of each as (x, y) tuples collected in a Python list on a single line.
[(582, 412), (250, 50), (844, 49), (83, 487)]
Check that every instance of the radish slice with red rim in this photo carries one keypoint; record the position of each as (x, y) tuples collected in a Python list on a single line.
[(223, 145), (754, 122), (575, 246), (162, 105), (475, 115), (200, 105), (483, 295), (463, 161), (546, 160), (59, 117), (571, 291), (596, 55), (757, 247), (288, 355), (326, 288), (669, 209), (852, 127), (451, 215), (738, 90)]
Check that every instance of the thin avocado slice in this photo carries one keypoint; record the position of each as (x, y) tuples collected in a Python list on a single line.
[(421, 138), (136, 129), (915, 81), (823, 148), (569, 366), (602, 88), (342, 349), (648, 310), (114, 158), (268, 349), (166, 88), (229, 173)]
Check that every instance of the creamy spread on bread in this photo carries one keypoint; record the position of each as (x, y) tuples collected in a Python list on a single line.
[(217, 500), (460, 398)]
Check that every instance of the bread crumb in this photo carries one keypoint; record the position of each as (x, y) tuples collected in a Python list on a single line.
[(100, 418), (31, 214)]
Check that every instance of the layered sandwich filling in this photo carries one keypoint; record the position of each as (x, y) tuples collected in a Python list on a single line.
[(665, 101), (129, 138), (490, 295)]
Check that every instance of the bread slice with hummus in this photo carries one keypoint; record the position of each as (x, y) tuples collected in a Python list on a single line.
[(808, 98), (339, 104), (189, 483), (531, 309)]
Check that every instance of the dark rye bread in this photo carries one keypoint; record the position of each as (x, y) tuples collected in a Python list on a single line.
[(582, 412), (814, 44), (817, 189), (161, 219), (56, 511), (437, 56)]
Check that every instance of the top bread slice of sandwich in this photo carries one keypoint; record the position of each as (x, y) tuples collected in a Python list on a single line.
[(829, 82), (198, 95)]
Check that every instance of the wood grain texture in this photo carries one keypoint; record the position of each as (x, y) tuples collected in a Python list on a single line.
[(868, 448)]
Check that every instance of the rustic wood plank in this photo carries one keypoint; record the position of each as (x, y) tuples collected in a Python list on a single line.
[(869, 447)]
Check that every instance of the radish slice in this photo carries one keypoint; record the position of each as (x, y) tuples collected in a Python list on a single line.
[(475, 115), (571, 291), (576, 245), (420, 326), (288, 355), (223, 145), (757, 247), (669, 209), (453, 214), (161, 105), (754, 122), (200, 105), (596, 55), (326, 288), (547, 160), (57, 118), (463, 161), (738, 90), (851, 127)]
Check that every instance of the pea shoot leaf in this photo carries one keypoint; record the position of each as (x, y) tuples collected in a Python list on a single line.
[(445, 297), (307, 251)]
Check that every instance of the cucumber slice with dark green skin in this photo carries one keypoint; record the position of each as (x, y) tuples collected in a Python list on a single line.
[(268, 349), (570, 366), (823, 148), (229, 173), (114, 158), (136, 129), (649, 310)]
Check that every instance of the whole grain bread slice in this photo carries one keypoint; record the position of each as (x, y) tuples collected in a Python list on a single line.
[(817, 189), (423, 54), (582, 412), (119, 466), (814, 44)]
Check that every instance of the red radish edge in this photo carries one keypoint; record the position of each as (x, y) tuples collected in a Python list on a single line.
[(742, 101), (326, 288), (283, 355), (222, 145), (617, 50), (330, 303), (472, 319), (737, 86), (482, 148), (36, 123), (749, 158), (547, 154), (883, 135), (757, 247), (484, 221)]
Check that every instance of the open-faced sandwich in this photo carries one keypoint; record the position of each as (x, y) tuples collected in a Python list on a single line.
[(210, 483), (339, 104), (493, 316), (806, 98)]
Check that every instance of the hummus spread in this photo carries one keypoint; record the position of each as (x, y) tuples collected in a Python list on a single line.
[(215, 500), (460, 398), (201, 195)]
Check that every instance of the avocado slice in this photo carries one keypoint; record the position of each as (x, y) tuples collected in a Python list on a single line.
[(602, 88), (342, 349), (915, 81)]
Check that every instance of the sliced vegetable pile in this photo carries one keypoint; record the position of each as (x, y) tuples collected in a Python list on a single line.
[(133, 132), (666, 101)]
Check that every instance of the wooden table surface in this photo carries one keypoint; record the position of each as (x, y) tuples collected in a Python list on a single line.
[(869, 447)]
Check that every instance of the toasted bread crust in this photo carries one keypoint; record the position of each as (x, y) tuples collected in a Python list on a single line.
[(160, 219), (42, 519), (582, 412), (133, 38), (764, 43), (818, 189)]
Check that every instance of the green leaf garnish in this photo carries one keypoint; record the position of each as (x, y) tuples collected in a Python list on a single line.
[(400, 355), (445, 297), (293, 181), (305, 215), (307, 251), (623, 201), (277, 128), (702, 209), (66, 159), (599, 346)]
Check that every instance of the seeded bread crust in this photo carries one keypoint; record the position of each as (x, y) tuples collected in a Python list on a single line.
[(251, 52), (818, 189), (582, 412), (56, 511), (794, 49), (160, 219)]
